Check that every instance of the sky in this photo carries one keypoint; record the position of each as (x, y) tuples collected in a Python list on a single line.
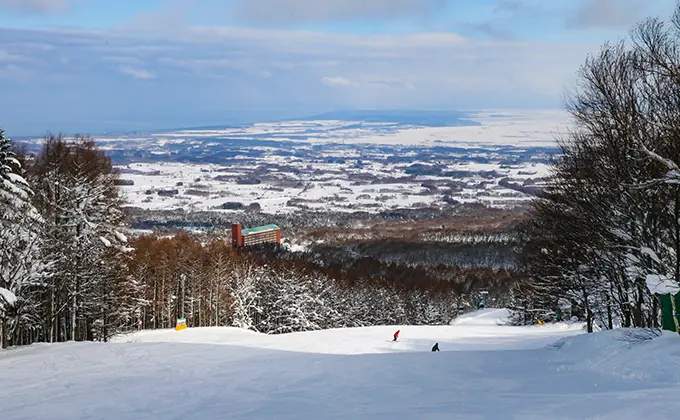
[(93, 66)]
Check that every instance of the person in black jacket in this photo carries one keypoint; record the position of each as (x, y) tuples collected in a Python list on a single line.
[(435, 347)]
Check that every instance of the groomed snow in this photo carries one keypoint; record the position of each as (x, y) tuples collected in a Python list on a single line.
[(369, 340), (484, 371), (483, 317)]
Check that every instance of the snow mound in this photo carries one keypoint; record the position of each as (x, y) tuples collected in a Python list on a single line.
[(484, 317), (624, 353)]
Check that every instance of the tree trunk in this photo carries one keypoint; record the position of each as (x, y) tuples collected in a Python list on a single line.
[(675, 314), (74, 307), (3, 333), (677, 235), (217, 303), (589, 314), (156, 315), (654, 315), (638, 313), (53, 317)]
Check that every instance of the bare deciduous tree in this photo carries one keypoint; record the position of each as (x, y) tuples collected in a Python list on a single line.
[(609, 227)]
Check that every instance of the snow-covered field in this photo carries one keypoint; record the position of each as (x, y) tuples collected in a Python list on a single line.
[(326, 186), (484, 371)]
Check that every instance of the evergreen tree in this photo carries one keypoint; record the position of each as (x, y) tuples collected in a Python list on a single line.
[(20, 272), (77, 195)]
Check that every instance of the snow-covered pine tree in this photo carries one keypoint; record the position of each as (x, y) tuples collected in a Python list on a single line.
[(20, 271), (79, 200), (132, 295), (290, 303), (354, 304), (246, 304), (327, 296)]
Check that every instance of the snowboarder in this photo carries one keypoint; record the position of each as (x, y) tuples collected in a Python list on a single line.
[(396, 335), (435, 347)]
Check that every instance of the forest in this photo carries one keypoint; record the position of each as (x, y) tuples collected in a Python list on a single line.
[(271, 290)]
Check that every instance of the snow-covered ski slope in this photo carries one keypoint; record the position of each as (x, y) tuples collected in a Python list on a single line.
[(484, 371), (476, 331)]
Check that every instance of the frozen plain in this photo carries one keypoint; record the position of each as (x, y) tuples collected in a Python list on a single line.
[(339, 165), (484, 371)]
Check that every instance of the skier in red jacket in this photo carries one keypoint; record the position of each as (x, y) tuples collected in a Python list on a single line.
[(396, 335)]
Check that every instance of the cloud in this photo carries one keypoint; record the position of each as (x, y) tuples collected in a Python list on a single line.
[(5, 56), (291, 65), (608, 14), (492, 29), (335, 81), (291, 12), (369, 82), (312, 43), (516, 19), (390, 84), (218, 67), (226, 72), (14, 73), (509, 6), (566, 18), (203, 64), (167, 17), (136, 73), (35, 6), (121, 59)]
